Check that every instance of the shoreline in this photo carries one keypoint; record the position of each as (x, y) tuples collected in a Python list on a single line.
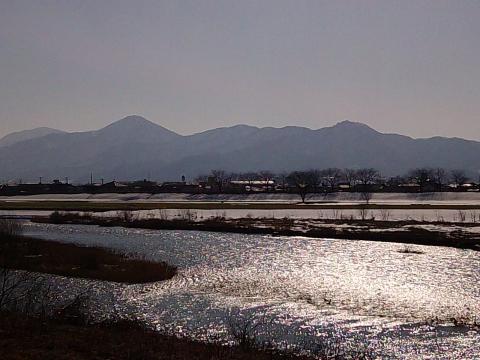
[(406, 232), (50, 257), (120, 205)]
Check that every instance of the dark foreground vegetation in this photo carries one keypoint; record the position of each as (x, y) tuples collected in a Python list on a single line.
[(25, 253), (372, 230), (25, 337)]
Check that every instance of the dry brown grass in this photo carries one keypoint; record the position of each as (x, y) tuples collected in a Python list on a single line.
[(24, 253)]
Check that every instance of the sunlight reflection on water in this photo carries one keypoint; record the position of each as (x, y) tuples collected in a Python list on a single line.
[(361, 287)]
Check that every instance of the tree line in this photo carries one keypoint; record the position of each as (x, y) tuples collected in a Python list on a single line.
[(364, 180)]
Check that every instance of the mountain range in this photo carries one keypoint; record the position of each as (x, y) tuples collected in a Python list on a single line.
[(136, 148)]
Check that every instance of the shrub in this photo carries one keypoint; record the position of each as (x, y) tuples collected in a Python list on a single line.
[(245, 329)]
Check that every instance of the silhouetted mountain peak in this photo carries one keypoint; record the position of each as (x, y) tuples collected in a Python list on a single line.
[(131, 122), (347, 124), (136, 127)]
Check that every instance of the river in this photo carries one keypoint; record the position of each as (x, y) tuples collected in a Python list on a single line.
[(365, 292)]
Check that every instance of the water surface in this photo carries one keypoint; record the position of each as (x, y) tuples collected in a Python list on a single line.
[(403, 304)]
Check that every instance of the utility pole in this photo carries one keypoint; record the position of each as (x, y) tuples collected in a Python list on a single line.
[(91, 178), (66, 180), (40, 182)]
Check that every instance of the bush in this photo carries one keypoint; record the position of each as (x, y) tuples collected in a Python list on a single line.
[(245, 329), (23, 291), (56, 217), (76, 312)]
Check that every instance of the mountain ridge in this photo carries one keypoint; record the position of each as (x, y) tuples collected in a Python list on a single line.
[(23, 135), (135, 148)]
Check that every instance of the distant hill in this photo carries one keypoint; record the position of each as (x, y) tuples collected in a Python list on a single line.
[(19, 136), (135, 148)]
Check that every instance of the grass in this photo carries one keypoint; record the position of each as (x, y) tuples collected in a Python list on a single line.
[(198, 205), (25, 253)]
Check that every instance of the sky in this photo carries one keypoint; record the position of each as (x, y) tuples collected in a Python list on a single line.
[(409, 67)]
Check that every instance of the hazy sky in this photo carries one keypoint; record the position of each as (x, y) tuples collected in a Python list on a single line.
[(410, 67)]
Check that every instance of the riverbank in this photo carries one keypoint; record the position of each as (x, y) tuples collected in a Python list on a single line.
[(34, 255), (457, 235), (133, 205), (466, 198), (30, 338)]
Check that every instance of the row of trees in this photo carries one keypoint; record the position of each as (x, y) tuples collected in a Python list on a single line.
[(437, 177), (328, 180)]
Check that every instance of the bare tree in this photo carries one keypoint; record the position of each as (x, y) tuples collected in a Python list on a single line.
[(459, 177), (421, 176), (367, 178), (396, 181), (267, 177), (235, 176), (332, 176), (315, 177), (350, 176), (19, 290), (366, 194), (302, 181), (220, 178), (23, 290), (282, 180), (439, 176)]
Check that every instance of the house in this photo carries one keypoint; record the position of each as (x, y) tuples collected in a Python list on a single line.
[(344, 186), (251, 185)]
